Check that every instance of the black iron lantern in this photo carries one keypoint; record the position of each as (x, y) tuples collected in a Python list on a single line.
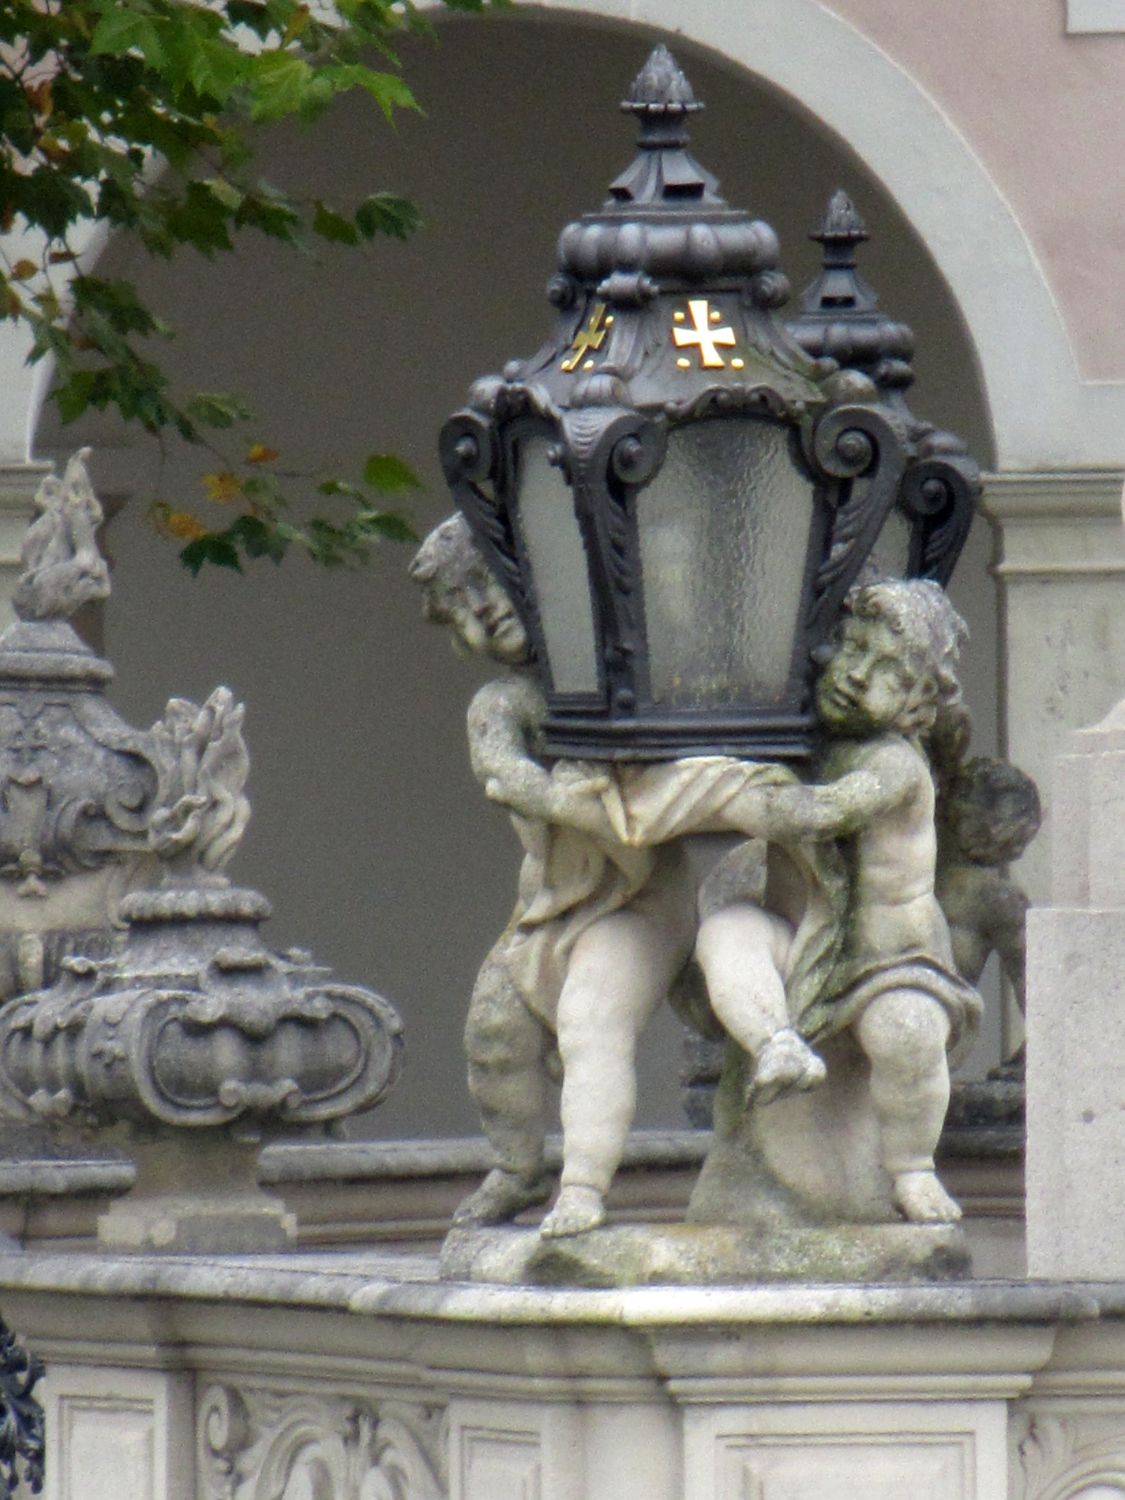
[(675, 494)]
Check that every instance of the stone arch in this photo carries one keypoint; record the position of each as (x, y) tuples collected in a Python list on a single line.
[(1043, 415)]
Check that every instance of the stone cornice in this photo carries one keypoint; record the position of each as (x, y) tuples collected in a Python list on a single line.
[(1050, 496)]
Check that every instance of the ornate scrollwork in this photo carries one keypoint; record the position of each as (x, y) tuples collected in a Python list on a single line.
[(21, 1418), (266, 1445), (863, 445), (940, 492), (472, 461), (1056, 1461)]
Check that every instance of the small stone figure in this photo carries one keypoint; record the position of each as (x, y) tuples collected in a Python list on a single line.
[(893, 983), (599, 934), (62, 567), (988, 813)]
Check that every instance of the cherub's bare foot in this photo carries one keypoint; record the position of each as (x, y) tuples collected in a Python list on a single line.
[(577, 1210), (785, 1065), (501, 1196), (923, 1200)]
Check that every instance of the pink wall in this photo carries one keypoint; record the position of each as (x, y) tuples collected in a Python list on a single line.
[(1045, 112)]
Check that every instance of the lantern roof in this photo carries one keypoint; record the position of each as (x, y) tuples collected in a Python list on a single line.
[(667, 297)]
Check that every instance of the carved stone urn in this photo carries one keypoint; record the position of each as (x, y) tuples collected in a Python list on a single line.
[(175, 1028), (200, 1040)]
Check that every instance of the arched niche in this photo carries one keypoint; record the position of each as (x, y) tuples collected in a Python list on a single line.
[(369, 835)]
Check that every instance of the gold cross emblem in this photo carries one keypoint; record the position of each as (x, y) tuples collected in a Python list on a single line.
[(703, 334), (590, 337)]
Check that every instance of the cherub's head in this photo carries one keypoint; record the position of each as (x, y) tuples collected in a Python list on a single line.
[(992, 811), (460, 590), (894, 661)]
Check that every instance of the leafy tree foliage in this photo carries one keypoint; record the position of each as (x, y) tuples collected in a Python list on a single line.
[(95, 96)]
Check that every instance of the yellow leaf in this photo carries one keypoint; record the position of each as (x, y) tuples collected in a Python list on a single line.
[(298, 21), (180, 524), (261, 454), (223, 487), (23, 269), (39, 96)]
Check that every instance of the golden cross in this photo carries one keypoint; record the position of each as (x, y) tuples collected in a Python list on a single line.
[(704, 334), (590, 337)]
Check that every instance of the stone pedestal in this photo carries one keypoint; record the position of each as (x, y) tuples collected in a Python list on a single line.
[(1076, 1021), (196, 1192)]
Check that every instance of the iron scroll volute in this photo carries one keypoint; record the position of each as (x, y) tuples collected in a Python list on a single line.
[(862, 451), (940, 491)]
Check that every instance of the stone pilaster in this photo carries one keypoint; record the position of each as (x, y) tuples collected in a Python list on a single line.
[(1061, 573)]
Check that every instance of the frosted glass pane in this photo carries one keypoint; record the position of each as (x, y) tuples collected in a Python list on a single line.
[(724, 531), (891, 553), (558, 566)]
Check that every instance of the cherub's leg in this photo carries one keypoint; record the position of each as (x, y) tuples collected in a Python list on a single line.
[(619, 970), (904, 1034), (506, 1046), (742, 950)]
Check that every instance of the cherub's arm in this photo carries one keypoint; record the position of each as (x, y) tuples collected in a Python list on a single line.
[(503, 717), (1008, 935), (788, 814)]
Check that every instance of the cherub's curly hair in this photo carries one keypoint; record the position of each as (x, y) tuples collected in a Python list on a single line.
[(932, 632)]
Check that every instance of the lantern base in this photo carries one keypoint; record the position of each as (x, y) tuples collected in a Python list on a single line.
[(779, 737)]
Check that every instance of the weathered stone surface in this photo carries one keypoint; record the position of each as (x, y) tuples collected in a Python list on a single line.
[(1076, 1021), (707, 1255)]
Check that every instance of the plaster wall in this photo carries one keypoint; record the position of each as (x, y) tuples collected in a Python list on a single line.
[(1045, 112)]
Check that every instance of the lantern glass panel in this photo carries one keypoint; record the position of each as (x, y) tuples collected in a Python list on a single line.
[(724, 537), (557, 553)]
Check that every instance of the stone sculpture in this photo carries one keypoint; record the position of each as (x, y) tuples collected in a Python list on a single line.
[(593, 915), (988, 813), (834, 958), (76, 783), (187, 1034)]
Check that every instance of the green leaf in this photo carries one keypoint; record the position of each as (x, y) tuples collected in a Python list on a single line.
[(279, 85), (340, 487), (389, 91), (383, 471), (123, 30), (387, 524), (385, 213), (216, 410), (72, 396), (259, 539), (333, 226), (215, 548)]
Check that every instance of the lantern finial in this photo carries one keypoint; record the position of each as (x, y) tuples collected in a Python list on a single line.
[(664, 174), (840, 230), (661, 88), (840, 316)]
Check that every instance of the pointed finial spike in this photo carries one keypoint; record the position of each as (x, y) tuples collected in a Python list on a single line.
[(661, 87), (841, 224)]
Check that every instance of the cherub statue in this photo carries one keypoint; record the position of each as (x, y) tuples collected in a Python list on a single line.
[(599, 933), (62, 567), (891, 979), (988, 813), (200, 813)]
